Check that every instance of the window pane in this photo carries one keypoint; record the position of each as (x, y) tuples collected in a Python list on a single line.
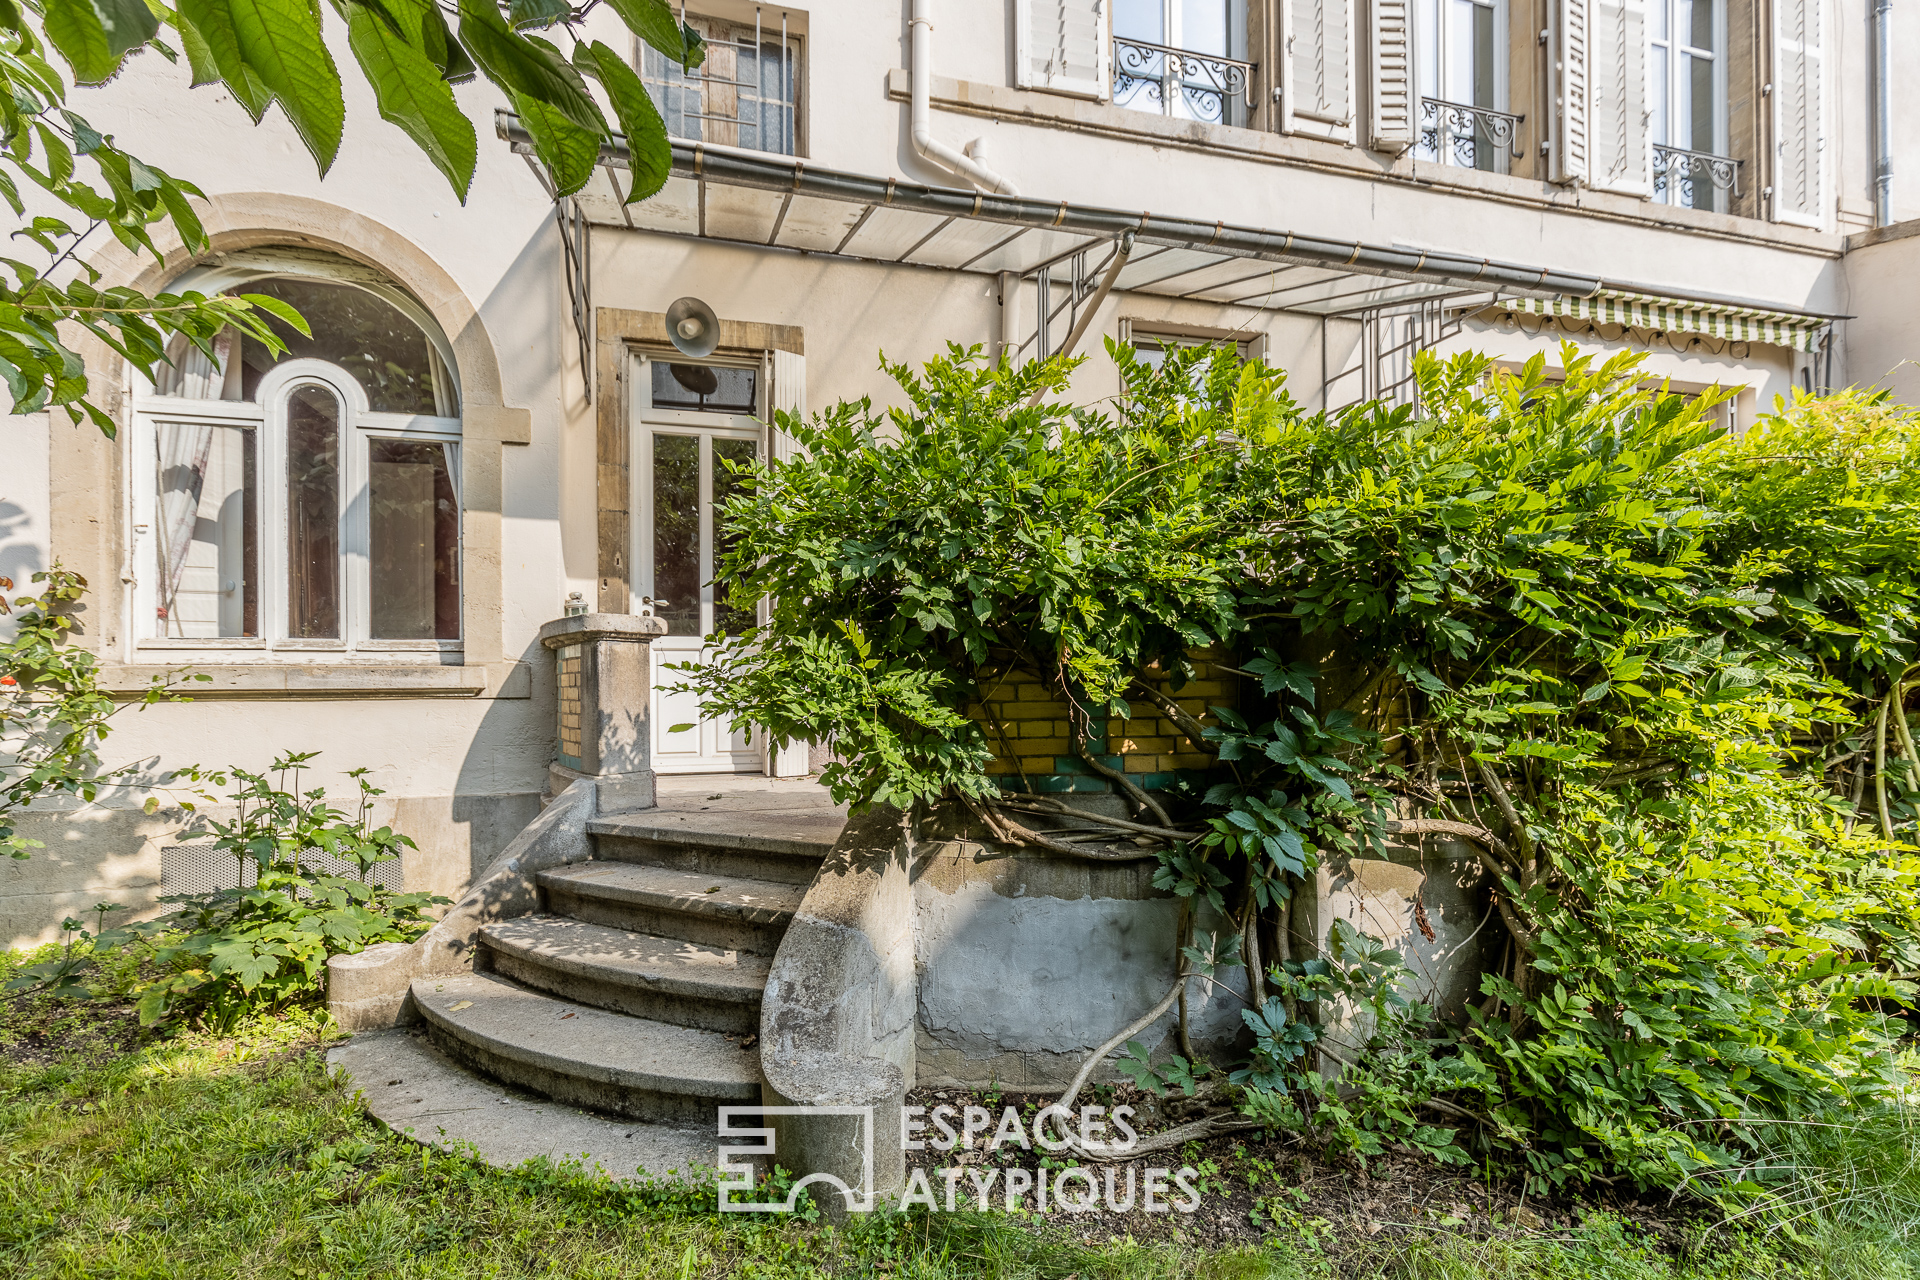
[(206, 522), (1700, 24), (414, 541), (1483, 73), (1657, 19), (1140, 20), (1203, 26), (313, 513), (365, 335), (707, 387), (676, 532), (727, 617), (1700, 76), (1657, 100)]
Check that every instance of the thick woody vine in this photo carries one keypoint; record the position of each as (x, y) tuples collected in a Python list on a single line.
[(1652, 675)]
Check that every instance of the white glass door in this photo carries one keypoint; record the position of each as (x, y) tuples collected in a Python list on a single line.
[(682, 477)]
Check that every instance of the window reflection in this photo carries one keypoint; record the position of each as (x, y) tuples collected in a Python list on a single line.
[(726, 484), (414, 541), (708, 388), (313, 513), (676, 532), (208, 570)]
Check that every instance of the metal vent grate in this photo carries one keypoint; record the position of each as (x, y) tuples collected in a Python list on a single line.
[(204, 868)]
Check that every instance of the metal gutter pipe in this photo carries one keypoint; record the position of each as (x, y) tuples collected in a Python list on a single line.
[(1882, 77), (971, 166)]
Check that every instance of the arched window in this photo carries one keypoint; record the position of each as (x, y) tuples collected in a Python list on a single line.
[(305, 503)]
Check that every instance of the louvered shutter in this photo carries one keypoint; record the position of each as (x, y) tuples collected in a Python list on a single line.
[(1062, 46), (787, 392), (1318, 65), (1571, 102), (1798, 82), (1618, 125), (1393, 100)]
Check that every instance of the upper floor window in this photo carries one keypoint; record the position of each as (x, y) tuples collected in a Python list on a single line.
[(1184, 58), (746, 94), (1461, 46), (1687, 102), (302, 501)]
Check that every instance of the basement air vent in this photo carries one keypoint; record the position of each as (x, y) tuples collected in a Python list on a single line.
[(203, 868)]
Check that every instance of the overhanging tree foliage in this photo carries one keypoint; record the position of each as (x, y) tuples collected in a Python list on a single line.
[(267, 53), (1653, 674)]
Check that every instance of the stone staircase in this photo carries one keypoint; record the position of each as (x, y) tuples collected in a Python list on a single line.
[(635, 989)]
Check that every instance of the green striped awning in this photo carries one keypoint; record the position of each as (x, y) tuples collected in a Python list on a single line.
[(1669, 315)]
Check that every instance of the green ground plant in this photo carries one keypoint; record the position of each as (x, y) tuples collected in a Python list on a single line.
[(206, 1156), (1654, 674), (53, 711)]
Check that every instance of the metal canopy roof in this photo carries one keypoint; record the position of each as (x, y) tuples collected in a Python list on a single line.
[(748, 197)]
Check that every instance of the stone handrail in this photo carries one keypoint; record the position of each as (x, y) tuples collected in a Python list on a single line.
[(837, 1020)]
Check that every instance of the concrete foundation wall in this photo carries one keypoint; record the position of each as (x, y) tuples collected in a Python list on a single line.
[(99, 853)]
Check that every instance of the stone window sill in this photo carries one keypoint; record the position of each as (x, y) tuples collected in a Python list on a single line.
[(317, 680)]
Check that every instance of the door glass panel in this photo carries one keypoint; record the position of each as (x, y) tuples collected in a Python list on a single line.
[(727, 616), (676, 532), (208, 570), (313, 513), (414, 541)]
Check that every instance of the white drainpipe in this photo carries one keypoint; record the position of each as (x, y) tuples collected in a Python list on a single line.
[(971, 166)]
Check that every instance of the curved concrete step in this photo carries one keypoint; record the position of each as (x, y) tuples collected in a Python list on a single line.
[(666, 979), (589, 1057), (783, 847), (694, 906)]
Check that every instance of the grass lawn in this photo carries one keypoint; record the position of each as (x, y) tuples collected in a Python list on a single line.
[(199, 1156)]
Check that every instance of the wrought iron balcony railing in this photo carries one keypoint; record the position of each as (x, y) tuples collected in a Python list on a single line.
[(1675, 171), (1471, 137), (1180, 82)]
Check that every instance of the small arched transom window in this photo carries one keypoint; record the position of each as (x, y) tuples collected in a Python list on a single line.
[(304, 501)]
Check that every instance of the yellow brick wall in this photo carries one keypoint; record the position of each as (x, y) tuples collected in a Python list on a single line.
[(1034, 726)]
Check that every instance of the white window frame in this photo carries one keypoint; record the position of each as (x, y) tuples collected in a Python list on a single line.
[(267, 416), (1678, 90)]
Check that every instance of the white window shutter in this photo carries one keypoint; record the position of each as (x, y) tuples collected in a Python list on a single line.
[(787, 393), (1393, 98), (1799, 80), (1062, 46), (1316, 65), (1618, 126), (1571, 98)]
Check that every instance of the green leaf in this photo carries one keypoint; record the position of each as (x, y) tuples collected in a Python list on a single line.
[(437, 40), (280, 41), (529, 68), (650, 154), (213, 51), (280, 309), (654, 21), (412, 95), (75, 29), (569, 152), (529, 14)]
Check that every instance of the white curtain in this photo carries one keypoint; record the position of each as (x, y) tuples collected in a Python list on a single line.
[(183, 448), (191, 375)]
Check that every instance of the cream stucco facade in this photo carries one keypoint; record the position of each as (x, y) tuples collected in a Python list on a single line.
[(461, 738)]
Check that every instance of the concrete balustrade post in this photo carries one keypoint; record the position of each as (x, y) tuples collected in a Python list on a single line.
[(605, 666)]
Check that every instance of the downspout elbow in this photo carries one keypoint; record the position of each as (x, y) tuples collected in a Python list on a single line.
[(920, 131)]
